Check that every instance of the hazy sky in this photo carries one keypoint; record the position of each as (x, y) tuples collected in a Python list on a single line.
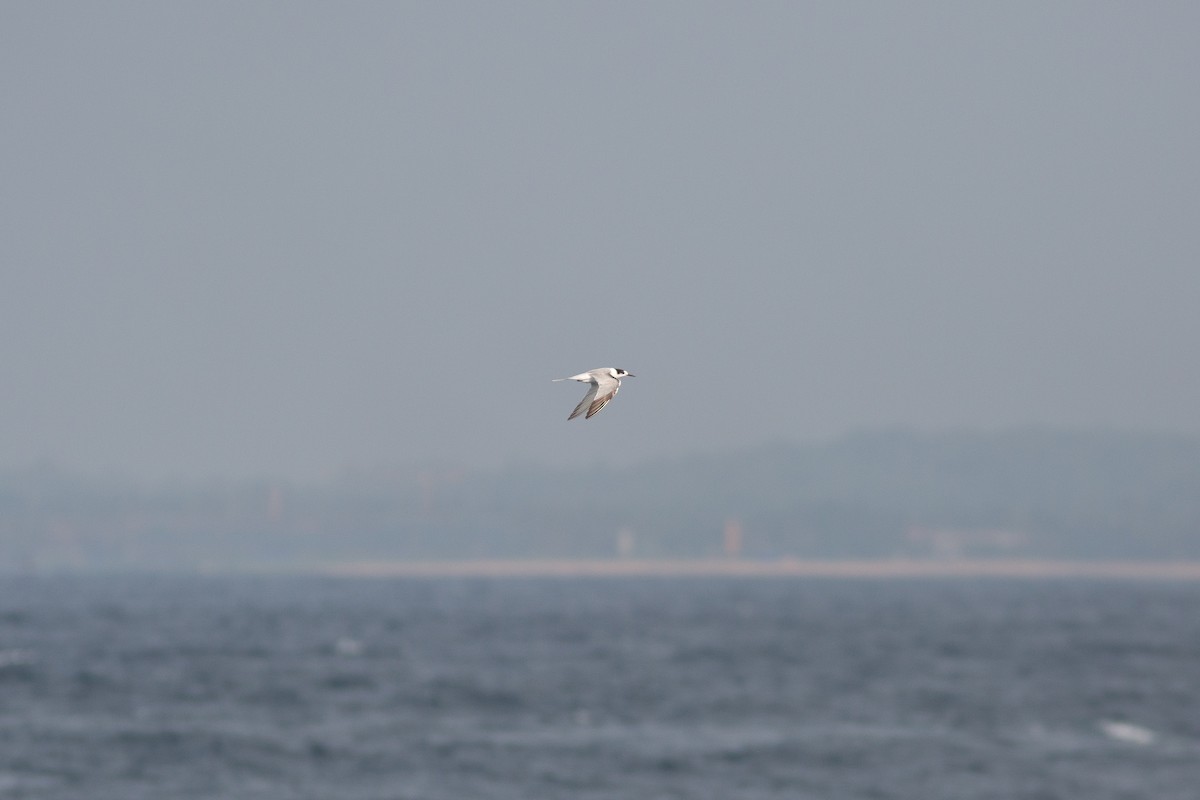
[(286, 238)]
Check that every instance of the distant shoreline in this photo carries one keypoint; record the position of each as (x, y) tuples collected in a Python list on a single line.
[(779, 568)]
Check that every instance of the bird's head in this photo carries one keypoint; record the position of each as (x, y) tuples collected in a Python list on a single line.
[(620, 373)]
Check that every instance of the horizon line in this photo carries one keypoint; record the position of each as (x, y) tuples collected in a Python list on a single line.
[(754, 568)]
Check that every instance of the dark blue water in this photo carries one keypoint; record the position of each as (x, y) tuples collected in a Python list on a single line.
[(457, 689)]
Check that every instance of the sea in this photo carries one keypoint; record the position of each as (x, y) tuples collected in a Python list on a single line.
[(280, 687)]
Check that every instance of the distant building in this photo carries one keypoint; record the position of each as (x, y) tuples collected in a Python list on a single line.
[(733, 538), (275, 504), (625, 541)]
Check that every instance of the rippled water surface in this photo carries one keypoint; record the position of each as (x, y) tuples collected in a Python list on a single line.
[(447, 689)]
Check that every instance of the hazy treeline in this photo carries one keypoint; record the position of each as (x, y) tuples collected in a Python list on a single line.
[(1032, 493)]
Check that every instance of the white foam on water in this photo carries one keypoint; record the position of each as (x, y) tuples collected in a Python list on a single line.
[(15, 658), (348, 647), (1127, 732)]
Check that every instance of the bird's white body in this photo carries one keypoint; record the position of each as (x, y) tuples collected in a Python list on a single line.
[(605, 381)]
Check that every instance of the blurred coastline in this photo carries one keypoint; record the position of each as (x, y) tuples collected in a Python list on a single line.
[(781, 568), (889, 502)]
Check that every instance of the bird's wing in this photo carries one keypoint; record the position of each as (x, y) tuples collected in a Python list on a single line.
[(585, 402), (598, 403), (605, 390)]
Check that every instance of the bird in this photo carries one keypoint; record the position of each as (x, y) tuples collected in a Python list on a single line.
[(605, 381)]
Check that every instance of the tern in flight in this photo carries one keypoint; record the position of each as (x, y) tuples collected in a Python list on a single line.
[(605, 382)]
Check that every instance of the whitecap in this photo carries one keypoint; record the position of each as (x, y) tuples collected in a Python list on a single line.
[(348, 647), (15, 658), (1127, 732)]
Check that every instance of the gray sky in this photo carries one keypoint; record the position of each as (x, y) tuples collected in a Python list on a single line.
[(286, 238)]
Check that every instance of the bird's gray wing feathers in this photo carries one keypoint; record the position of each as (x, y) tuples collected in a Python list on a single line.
[(597, 404), (584, 403), (605, 389)]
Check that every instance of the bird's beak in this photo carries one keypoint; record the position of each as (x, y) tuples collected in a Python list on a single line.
[(630, 375)]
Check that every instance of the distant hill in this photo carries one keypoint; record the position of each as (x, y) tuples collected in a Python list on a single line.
[(1026, 493)]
